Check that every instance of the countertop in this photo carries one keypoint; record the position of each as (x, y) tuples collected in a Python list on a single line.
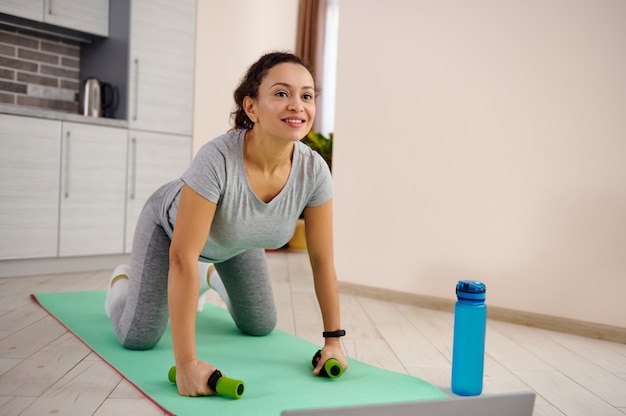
[(58, 115)]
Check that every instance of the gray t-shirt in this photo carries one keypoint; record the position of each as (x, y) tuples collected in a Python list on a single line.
[(242, 221)]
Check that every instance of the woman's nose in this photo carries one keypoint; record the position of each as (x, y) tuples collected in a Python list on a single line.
[(295, 104)]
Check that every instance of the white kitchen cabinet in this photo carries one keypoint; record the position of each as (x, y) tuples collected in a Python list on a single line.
[(93, 190), (161, 60), (27, 9), (90, 16), (29, 187), (153, 160)]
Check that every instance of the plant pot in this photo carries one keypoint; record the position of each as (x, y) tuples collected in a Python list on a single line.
[(298, 240)]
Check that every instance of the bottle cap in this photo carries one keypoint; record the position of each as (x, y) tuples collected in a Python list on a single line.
[(471, 290)]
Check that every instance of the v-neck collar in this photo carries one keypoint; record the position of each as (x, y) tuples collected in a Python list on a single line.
[(295, 158)]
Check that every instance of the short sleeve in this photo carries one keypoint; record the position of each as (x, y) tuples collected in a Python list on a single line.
[(207, 172), (323, 189)]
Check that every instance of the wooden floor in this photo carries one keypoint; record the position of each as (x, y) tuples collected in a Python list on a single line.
[(45, 370)]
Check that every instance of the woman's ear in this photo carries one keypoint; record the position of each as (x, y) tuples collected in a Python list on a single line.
[(250, 108)]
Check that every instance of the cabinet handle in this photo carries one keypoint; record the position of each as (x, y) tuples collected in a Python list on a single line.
[(136, 88), (67, 165), (133, 169), (50, 7)]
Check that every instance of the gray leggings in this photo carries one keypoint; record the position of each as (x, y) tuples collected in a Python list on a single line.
[(141, 317)]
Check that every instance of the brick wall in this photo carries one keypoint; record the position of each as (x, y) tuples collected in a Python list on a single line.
[(39, 72)]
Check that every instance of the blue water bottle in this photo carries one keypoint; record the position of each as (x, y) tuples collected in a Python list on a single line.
[(468, 347)]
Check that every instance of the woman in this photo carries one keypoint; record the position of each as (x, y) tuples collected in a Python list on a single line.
[(243, 193)]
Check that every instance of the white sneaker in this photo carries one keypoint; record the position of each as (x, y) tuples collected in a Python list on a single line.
[(121, 270), (201, 301), (204, 269)]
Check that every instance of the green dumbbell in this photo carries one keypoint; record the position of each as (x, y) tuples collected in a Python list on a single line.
[(332, 368), (219, 383)]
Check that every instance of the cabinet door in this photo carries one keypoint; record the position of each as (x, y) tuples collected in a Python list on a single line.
[(91, 16), (28, 9), (162, 39), (153, 160), (93, 188), (29, 187)]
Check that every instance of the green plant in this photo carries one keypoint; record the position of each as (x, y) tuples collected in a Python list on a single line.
[(322, 145)]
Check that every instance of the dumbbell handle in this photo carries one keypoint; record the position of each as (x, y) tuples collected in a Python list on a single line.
[(219, 383), (332, 368)]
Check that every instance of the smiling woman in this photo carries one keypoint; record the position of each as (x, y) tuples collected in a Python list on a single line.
[(243, 192)]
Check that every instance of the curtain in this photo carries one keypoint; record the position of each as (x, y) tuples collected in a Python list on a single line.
[(309, 31), (310, 40)]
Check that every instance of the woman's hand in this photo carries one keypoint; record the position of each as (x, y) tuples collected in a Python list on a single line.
[(192, 378), (332, 349), (191, 230)]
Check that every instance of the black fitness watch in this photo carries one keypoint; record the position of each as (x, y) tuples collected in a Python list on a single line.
[(334, 334)]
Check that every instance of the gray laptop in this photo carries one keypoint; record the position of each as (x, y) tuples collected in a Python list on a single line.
[(510, 404)]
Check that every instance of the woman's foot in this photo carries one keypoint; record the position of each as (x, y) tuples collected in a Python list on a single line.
[(117, 284)]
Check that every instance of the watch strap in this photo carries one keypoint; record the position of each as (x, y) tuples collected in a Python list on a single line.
[(334, 334)]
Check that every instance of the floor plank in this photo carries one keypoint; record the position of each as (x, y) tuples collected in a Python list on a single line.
[(21, 317), (30, 339), (375, 352), (607, 355), (14, 405), (566, 395), (572, 365), (37, 373), (80, 392)]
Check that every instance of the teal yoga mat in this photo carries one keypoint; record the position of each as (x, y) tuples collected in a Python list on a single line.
[(276, 368)]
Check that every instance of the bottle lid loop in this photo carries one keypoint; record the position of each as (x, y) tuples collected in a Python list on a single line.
[(471, 290)]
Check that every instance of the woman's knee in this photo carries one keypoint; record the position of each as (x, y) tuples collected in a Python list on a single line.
[(258, 327), (142, 337), (140, 344)]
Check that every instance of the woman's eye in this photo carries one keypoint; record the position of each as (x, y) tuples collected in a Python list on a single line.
[(307, 97), (282, 94)]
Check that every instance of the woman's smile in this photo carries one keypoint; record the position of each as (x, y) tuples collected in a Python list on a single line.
[(294, 122)]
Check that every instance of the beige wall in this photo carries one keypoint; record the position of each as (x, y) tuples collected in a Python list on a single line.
[(485, 140), (231, 35)]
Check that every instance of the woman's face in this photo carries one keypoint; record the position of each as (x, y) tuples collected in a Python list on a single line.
[(285, 106)]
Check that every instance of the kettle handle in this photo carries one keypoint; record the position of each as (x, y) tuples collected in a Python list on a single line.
[(112, 92)]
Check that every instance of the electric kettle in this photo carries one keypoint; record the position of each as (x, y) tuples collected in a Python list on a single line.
[(97, 98)]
